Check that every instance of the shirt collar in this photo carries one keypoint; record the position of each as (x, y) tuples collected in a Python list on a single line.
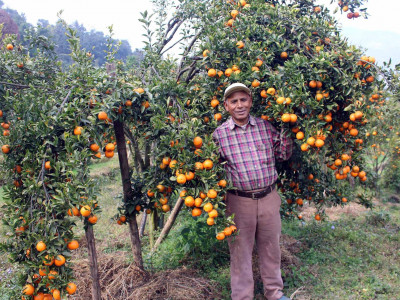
[(232, 123)]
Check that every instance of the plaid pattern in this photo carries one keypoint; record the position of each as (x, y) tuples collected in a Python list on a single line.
[(250, 152)]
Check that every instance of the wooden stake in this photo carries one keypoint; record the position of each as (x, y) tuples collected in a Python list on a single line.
[(94, 269)]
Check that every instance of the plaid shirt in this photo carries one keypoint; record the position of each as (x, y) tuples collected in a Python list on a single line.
[(250, 152)]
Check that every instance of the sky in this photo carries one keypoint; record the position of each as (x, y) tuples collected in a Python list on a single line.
[(380, 33)]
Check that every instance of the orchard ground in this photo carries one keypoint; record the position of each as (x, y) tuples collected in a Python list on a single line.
[(355, 254)]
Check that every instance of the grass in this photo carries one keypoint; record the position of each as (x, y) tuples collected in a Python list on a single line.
[(350, 258)]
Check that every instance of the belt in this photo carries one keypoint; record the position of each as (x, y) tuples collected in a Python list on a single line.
[(253, 195)]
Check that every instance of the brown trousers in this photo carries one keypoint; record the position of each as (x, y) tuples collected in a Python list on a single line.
[(257, 220)]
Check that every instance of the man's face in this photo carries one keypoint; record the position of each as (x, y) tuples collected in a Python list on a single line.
[(238, 105)]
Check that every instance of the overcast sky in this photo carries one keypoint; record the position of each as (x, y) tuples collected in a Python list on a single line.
[(380, 33)]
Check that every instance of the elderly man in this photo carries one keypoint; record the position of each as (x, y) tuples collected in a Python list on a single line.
[(250, 146)]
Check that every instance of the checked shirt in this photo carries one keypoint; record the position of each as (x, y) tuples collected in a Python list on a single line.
[(250, 152)]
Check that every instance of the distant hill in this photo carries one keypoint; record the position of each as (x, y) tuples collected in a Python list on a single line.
[(93, 41)]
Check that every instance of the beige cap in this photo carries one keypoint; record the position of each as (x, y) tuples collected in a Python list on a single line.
[(236, 87)]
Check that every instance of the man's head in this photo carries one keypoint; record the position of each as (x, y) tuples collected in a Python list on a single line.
[(238, 102)]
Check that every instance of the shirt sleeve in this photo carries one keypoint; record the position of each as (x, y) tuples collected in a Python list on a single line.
[(283, 144), (216, 141)]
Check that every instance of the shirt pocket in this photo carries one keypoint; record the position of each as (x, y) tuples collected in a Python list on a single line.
[(265, 153)]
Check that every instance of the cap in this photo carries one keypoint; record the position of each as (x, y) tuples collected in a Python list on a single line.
[(236, 87)]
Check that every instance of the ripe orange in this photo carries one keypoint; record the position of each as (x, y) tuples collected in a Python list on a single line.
[(213, 213), (85, 211), (160, 188), (189, 201), (319, 143), (210, 221), (312, 84), (259, 62), (202, 195), (196, 212), (208, 207), (189, 175), (212, 72), (293, 117), (208, 164), (344, 200), (165, 208), (78, 130), (56, 294), (220, 236), (48, 261), (5, 149), (52, 274), (222, 183), (255, 83), (263, 94), (304, 147), (205, 53), (234, 13), (300, 135), (353, 132), (218, 117), (214, 103), (40, 246), (181, 179), (285, 118), (109, 154), (240, 45), (284, 55), (47, 165), (198, 141), (338, 162), (212, 194), (110, 147), (59, 261), (102, 116), (311, 141), (10, 47), (92, 219), (28, 290), (198, 165), (228, 231), (198, 202), (94, 147), (72, 245), (71, 288), (228, 72), (317, 217)]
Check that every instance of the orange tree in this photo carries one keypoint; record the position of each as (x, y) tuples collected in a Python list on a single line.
[(305, 78), (47, 143)]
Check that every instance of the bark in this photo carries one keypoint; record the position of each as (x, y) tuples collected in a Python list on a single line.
[(168, 225), (128, 192), (94, 269)]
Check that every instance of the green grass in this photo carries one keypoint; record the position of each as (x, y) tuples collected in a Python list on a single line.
[(353, 258)]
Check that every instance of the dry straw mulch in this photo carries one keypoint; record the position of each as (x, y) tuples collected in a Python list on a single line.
[(120, 281)]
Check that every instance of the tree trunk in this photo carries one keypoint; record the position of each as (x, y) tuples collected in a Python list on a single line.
[(168, 224), (94, 270), (128, 192)]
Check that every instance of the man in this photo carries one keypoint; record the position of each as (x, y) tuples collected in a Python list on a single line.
[(250, 147)]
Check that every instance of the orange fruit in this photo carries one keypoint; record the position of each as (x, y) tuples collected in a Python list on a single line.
[(198, 141), (52, 274), (59, 261), (56, 294), (317, 217), (189, 175), (293, 117), (285, 118), (48, 261), (160, 188), (212, 72), (102, 116), (214, 103), (284, 55), (47, 165), (198, 202), (72, 245), (28, 290), (181, 179), (94, 147), (240, 45), (213, 213), (92, 219), (166, 208), (166, 160), (109, 154), (208, 164), (85, 211), (183, 193), (220, 236), (199, 165), (228, 231), (196, 212), (78, 130), (304, 147), (300, 135), (312, 84), (210, 221), (40, 246), (10, 47), (218, 117), (319, 143), (205, 53), (189, 201), (212, 194), (208, 207), (255, 83), (311, 141), (353, 132), (222, 183), (228, 72), (71, 288), (110, 147)]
